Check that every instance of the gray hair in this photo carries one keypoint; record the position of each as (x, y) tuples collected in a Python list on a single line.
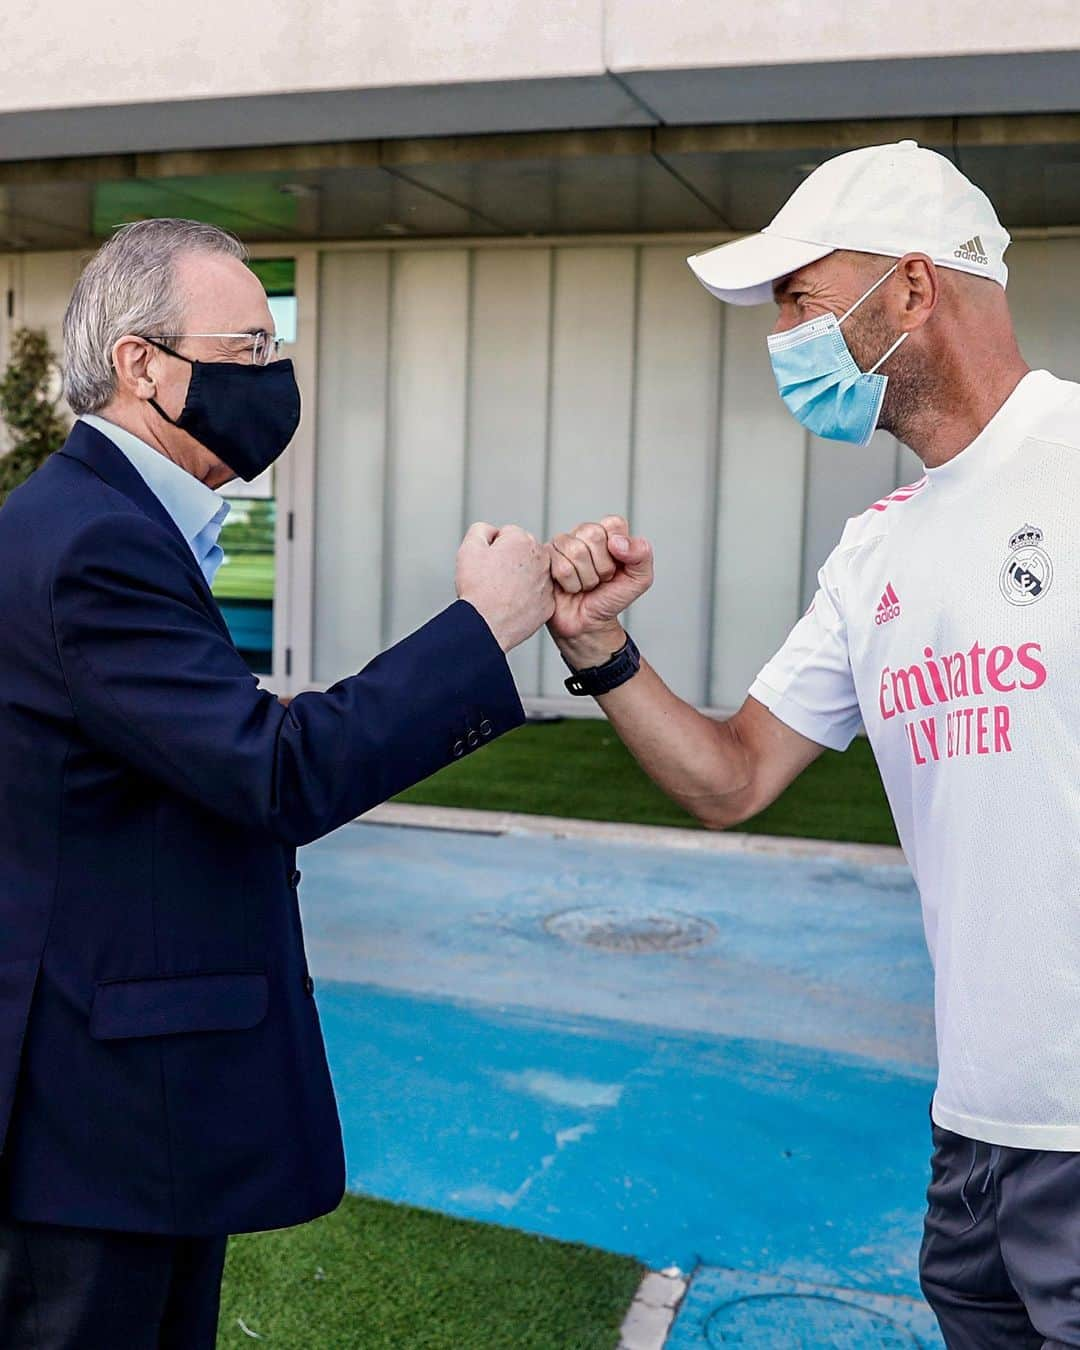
[(128, 287)]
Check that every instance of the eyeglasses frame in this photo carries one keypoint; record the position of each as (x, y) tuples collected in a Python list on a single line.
[(274, 344)]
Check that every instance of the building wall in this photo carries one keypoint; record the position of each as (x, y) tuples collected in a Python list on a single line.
[(39, 285), (547, 384), (251, 48), (252, 73)]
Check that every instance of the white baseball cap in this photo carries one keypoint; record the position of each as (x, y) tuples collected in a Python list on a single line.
[(889, 199)]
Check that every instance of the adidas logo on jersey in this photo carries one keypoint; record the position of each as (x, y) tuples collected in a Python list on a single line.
[(972, 251), (888, 606)]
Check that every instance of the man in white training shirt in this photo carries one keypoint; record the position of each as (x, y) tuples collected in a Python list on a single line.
[(946, 622)]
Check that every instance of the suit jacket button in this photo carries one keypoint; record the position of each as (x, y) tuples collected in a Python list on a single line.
[(457, 749), (474, 739), (294, 880), (309, 986), (486, 728)]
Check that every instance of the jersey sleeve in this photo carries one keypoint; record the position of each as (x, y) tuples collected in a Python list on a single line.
[(808, 684)]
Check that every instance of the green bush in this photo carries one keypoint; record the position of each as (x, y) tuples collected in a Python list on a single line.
[(28, 408)]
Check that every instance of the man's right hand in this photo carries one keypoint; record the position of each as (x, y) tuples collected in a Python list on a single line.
[(506, 576), (599, 571)]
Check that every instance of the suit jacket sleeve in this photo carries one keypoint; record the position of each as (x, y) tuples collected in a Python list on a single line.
[(153, 680)]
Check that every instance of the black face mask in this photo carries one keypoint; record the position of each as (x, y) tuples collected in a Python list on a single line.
[(244, 414)]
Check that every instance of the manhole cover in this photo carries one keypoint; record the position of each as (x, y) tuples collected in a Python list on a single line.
[(615, 928), (804, 1322)]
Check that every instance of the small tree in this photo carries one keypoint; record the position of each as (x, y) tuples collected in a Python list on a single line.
[(28, 408)]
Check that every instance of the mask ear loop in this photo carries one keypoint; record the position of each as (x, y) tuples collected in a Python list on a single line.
[(865, 295), (180, 356), (899, 342)]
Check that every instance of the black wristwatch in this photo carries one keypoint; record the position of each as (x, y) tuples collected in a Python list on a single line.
[(595, 680)]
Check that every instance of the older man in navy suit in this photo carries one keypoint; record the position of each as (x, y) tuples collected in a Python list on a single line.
[(162, 1075)]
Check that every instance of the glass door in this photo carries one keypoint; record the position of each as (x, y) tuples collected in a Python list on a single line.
[(245, 584)]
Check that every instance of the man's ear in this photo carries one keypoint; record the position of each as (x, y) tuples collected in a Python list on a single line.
[(131, 358), (919, 276)]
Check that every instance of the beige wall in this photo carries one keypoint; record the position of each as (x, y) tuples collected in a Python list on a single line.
[(87, 77), (95, 54), (705, 33)]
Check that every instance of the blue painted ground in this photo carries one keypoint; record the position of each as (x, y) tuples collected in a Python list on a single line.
[(755, 1105)]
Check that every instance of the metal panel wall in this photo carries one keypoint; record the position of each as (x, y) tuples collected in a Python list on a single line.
[(7, 272), (758, 557), (592, 389), (425, 504), (546, 385), (350, 466), (543, 385), (508, 403), (674, 473), (1044, 290), (41, 285)]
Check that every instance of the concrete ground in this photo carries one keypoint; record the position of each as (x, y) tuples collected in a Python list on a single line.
[(709, 1060)]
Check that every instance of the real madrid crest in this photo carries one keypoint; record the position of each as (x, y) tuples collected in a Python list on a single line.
[(1027, 571)]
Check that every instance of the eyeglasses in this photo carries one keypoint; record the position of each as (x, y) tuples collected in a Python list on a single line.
[(261, 345)]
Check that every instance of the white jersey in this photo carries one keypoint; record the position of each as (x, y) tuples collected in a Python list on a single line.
[(947, 621)]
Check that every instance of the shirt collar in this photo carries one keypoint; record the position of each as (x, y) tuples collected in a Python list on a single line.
[(191, 503), (1036, 394)]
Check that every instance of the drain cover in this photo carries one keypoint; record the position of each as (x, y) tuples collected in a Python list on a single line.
[(804, 1322), (617, 928)]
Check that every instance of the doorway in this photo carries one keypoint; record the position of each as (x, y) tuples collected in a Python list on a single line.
[(246, 583)]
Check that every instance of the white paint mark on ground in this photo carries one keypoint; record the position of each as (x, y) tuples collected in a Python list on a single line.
[(562, 1091), (485, 1197), (574, 1134)]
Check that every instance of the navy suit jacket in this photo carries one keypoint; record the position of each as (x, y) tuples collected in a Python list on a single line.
[(161, 1063)]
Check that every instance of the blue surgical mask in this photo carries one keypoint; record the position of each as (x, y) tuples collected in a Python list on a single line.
[(820, 383)]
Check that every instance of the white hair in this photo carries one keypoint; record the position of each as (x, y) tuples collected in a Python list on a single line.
[(128, 287)]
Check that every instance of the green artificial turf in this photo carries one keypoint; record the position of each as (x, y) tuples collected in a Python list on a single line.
[(581, 769), (245, 576), (375, 1276)]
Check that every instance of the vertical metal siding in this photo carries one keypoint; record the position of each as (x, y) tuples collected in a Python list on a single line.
[(350, 466), (426, 467), (548, 384)]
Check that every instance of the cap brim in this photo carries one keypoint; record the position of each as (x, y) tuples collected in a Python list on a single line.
[(743, 272)]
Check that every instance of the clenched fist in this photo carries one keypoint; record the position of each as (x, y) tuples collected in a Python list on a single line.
[(506, 576), (599, 570)]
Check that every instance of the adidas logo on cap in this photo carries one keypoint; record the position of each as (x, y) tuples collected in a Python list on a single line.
[(972, 251)]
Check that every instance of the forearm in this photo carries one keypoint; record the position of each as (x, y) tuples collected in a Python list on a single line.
[(439, 694), (723, 772), (697, 760)]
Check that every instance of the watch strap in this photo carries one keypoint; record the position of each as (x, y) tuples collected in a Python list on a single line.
[(595, 680)]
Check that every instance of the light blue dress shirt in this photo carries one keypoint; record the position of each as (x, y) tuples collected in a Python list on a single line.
[(198, 511)]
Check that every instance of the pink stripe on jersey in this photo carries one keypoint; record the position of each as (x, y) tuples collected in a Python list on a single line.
[(903, 494)]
